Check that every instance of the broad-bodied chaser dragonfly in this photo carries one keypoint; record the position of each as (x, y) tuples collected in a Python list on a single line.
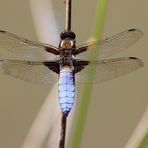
[(41, 63)]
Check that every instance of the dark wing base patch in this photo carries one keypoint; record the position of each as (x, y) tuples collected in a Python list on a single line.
[(79, 65), (54, 66)]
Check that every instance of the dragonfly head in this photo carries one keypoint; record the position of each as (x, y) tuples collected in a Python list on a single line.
[(68, 34), (67, 40)]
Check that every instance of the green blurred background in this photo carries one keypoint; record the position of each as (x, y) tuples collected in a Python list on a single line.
[(115, 106)]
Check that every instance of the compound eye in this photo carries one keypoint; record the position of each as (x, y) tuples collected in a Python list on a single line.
[(66, 44)]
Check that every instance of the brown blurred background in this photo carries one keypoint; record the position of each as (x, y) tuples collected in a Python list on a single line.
[(115, 107)]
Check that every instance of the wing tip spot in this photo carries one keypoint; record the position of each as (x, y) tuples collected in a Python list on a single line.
[(132, 29), (136, 30), (2, 31), (139, 61), (134, 58)]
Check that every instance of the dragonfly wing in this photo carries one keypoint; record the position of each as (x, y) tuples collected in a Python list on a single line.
[(109, 46), (31, 71), (103, 70), (26, 49)]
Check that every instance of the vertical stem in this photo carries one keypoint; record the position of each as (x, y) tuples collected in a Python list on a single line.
[(63, 131), (68, 15)]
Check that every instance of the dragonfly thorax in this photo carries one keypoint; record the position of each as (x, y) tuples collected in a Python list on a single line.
[(66, 57)]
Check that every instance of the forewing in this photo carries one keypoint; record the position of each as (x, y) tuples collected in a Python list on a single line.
[(35, 72), (26, 49), (103, 70), (110, 46)]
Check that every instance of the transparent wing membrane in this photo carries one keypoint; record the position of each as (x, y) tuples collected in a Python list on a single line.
[(110, 46), (107, 69), (31, 71), (26, 49)]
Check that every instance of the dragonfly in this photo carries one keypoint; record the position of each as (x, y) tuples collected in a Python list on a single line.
[(40, 63), (44, 63), (68, 63)]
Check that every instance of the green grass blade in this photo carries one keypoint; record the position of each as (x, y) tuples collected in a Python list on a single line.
[(144, 141), (85, 93)]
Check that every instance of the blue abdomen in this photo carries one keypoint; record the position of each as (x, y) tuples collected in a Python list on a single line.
[(66, 89)]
